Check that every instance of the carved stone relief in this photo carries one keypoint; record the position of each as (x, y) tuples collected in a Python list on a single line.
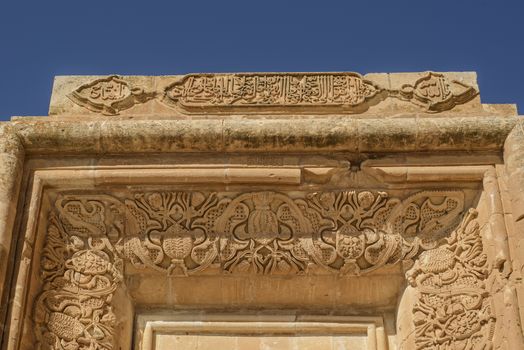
[(81, 271), (91, 237), (435, 93), (345, 232), (273, 92), (454, 309), (109, 95)]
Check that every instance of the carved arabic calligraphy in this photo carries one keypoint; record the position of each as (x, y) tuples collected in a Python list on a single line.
[(109, 95), (436, 93), (344, 93), (271, 90)]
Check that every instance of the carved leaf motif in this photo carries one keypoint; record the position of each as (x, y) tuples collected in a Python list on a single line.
[(268, 232), (82, 271)]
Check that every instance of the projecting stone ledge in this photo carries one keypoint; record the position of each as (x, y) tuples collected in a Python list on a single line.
[(247, 94)]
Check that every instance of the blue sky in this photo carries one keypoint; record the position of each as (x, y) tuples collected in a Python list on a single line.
[(41, 39)]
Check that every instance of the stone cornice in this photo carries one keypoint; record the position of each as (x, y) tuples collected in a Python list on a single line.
[(49, 136)]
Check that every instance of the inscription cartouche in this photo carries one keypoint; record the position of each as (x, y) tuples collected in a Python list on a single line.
[(109, 95), (271, 91)]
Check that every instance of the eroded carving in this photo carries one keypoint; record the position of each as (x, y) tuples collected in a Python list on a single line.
[(454, 309), (344, 232), (436, 93), (109, 95)]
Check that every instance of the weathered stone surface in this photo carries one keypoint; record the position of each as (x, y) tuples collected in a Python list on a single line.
[(256, 210), (270, 94)]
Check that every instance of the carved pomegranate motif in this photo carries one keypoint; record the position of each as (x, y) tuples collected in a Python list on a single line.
[(177, 244), (262, 224)]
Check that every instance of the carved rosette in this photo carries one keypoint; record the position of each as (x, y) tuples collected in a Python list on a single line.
[(454, 309), (109, 95)]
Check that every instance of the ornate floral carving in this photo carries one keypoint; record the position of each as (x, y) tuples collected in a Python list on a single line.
[(162, 231), (454, 309), (436, 93), (80, 270), (185, 232), (344, 232), (270, 91), (109, 95)]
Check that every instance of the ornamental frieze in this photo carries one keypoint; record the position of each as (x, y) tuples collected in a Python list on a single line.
[(302, 93), (185, 233), (346, 90)]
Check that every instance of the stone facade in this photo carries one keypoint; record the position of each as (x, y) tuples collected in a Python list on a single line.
[(263, 210)]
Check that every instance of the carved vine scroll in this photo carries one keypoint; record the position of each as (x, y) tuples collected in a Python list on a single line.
[(454, 309), (91, 237), (81, 271), (343, 232)]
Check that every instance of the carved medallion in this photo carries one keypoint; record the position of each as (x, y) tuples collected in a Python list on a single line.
[(436, 93), (109, 95)]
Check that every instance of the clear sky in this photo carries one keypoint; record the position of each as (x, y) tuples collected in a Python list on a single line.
[(41, 39)]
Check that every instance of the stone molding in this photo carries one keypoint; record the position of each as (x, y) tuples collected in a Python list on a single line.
[(310, 325), (410, 134)]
